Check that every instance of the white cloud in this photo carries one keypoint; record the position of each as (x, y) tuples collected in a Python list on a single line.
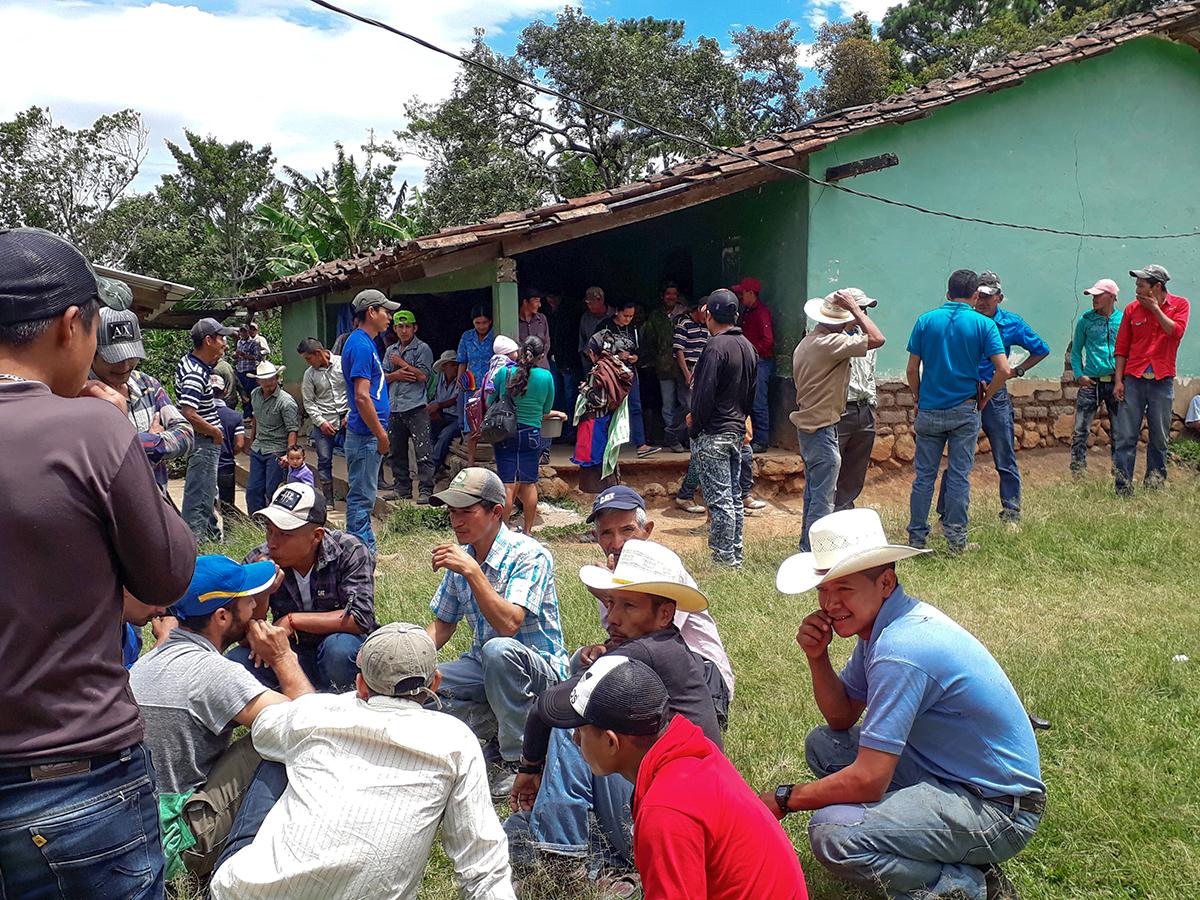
[(822, 11), (282, 72), (804, 55)]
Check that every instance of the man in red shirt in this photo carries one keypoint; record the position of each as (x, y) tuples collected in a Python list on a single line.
[(1147, 341), (698, 829), (760, 332)]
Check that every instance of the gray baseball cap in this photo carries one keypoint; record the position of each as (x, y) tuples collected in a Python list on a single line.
[(371, 297), (209, 328), (397, 659), (1152, 273), (989, 283), (470, 486), (119, 336)]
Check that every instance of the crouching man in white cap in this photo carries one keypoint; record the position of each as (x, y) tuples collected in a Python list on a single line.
[(942, 779)]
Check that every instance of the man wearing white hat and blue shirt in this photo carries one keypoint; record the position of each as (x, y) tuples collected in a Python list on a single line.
[(273, 430), (821, 371), (551, 811), (942, 779)]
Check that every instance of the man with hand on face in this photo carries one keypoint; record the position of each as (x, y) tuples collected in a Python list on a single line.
[(698, 831), (642, 594), (942, 780), (502, 583), (191, 697), (325, 601), (164, 432)]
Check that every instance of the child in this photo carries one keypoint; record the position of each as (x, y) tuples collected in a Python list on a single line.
[(298, 469)]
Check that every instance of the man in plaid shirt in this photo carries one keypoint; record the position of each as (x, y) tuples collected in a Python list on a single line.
[(502, 583), (164, 432)]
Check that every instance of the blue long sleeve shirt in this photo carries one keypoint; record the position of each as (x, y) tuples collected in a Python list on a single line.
[(1092, 344), (1014, 332)]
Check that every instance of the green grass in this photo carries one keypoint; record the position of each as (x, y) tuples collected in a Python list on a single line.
[(1085, 606)]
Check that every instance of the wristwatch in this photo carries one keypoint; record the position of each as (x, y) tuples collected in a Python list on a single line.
[(783, 795), (1020, 371)]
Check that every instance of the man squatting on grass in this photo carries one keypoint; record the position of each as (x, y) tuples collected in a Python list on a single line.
[(942, 780)]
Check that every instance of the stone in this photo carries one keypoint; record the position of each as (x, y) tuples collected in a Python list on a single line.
[(905, 449), (905, 398), (984, 446), (901, 429), (886, 399), (553, 488), (547, 471), (653, 491), (892, 416), (674, 486), (1047, 395), (794, 484), (776, 466), (766, 489), (882, 448), (1064, 427), (1062, 409), (1071, 392), (1018, 432), (1036, 412), (892, 465), (1030, 439)]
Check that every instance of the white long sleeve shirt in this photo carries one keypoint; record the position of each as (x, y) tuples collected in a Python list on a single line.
[(324, 393), (369, 783)]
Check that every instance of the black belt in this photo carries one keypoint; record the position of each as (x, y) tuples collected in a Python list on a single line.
[(859, 402), (1031, 803), (70, 768)]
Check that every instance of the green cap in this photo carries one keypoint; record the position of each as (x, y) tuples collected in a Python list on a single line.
[(470, 486), (405, 317)]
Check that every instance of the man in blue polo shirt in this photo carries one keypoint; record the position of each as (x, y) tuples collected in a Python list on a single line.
[(944, 351), (942, 781), (366, 425), (997, 416)]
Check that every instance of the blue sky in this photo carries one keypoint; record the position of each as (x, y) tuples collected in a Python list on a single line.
[(285, 72)]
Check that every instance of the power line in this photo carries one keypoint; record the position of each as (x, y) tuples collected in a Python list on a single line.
[(726, 151)]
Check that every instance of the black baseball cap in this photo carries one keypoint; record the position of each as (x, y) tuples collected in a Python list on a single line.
[(619, 497), (43, 275), (722, 305), (615, 693)]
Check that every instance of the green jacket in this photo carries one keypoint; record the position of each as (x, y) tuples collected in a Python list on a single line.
[(658, 334)]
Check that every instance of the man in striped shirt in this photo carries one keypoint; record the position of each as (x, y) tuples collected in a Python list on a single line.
[(193, 393)]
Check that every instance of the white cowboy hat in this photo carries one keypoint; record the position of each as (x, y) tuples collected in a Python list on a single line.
[(448, 356), (823, 310), (648, 568), (843, 543), (268, 370)]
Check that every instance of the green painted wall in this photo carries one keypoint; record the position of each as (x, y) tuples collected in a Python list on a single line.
[(1111, 144), (300, 320)]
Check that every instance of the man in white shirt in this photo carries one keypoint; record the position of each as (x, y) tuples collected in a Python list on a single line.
[(856, 429), (371, 777)]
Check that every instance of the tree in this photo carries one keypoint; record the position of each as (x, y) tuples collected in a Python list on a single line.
[(855, 68), (770, 65), (342, 212), (67, 181)]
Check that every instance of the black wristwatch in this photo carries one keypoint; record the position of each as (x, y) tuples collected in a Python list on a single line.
[(1020, 371), (783, 795)]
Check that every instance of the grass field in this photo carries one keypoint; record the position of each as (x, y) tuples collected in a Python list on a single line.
[(1084, 606)]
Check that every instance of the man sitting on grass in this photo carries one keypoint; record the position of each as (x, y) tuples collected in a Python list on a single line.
[(698, 830), (502, 583), (552, 812), (326, 600), (191, 697), (942, 781)]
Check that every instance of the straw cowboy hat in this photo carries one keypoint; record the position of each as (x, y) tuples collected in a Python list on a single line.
[(268, 370), (843, 543), (648, 568), (825, 311), (448, 356)]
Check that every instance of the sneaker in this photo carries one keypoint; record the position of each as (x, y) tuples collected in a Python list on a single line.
[(960, 549), (389, 495), (758, 448), (677, 448), (504, 777), (423, 500), (491, 753), (999, 887), (612, 884), (699, 529), (643, 452), (689, 506), (752, 502)]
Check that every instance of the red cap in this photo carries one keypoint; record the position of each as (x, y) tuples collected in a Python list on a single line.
[(747, 284)]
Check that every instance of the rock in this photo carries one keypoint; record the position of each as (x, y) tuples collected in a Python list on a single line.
[(653, 491), (905, 449), (1070, 392), (886, 399), (905, 398), (1030, 439), (674, 486), (892, 465), (891, 416), (985, 446), (553, 488), (766, 489), (1045, 396), (1035, 412), (1062, 409), (547, 471), (780, 465), (883, 447), (793, 484), (1064, 427)]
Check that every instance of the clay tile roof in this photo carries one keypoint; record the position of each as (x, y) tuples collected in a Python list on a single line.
[(1178, 21)]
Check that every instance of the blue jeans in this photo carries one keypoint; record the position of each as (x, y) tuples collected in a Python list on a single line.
[(1087, 402), (637, 425), (443, 433), (672, 417), (494, 691), (926, 838), (997, 422), (93, 835), (935, 428), (266, 475), (1151, 399), (569, 795), (200, 489), (362, 472), (719, 457), (566, 390), (822, 462), (330, 663), (324, 444), (760, 416), (268, 785)]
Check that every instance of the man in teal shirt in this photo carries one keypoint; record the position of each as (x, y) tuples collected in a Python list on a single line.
[(1093, 365)]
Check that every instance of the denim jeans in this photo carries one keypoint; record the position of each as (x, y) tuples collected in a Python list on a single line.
[(719, 458), (926, 838), (997, 422), (1150, 399), (92, 835), (760, 416), (746, 472), (494, 691), (822, 462), (935, 428), (200, 489), (672, 417), (324, 444), (330, 663), (443, 434), (566, 390), (637, 425), (402, 426), (267, 786), (856, 438), (568, 797), (362, 472), (1087, 403), (266, 475)]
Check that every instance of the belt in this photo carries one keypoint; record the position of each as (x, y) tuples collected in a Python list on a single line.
[(1030, 803), (861, 402), (51, 771), (1104, 378)]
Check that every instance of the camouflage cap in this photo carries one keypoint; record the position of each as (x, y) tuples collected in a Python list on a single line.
[(1151, 272)]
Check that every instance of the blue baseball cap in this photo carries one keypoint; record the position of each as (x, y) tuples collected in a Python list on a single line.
[(219, 580), (619, 497)]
